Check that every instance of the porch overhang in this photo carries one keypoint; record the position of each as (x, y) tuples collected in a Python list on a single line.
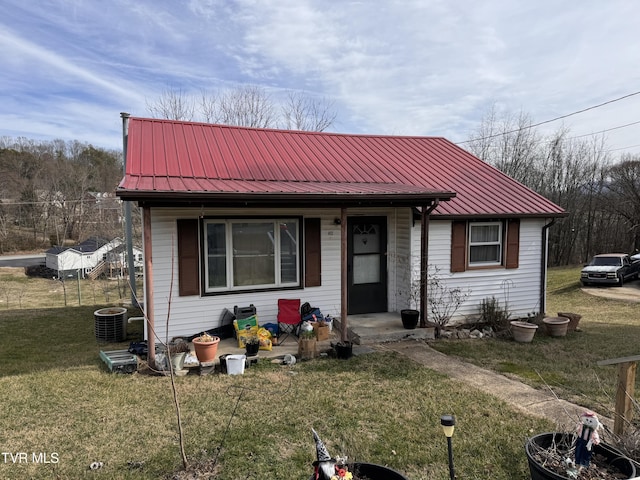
[(271, 195), (302, 201)]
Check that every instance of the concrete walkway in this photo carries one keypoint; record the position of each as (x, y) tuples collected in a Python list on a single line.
[(540, 403)]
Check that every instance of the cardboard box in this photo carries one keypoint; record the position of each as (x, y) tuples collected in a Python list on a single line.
[(321, 330)]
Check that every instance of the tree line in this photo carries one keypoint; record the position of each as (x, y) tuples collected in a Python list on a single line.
[(53, 192), (601, 195), (59, 191)]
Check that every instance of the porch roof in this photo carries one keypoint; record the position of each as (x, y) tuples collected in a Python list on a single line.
[(195, 163)]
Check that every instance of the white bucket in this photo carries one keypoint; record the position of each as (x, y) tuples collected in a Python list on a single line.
[(235, 364)]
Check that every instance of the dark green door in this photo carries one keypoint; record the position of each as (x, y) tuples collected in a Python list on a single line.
[(367, 264)]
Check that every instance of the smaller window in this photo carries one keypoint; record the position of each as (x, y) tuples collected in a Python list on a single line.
[(485, 243)]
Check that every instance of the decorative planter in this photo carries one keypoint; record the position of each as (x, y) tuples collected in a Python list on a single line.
[(574, 319), (177, 360), (206, 351), (307, 348), (251, 349), (409, 318), (371, 471), (523, 332), (563, 441), (344, 350), (556, 326)]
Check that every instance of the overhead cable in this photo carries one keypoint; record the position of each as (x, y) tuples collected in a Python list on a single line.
[(551, 120)]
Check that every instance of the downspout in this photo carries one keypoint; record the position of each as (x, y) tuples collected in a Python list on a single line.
[(127, 215), (424, 257), (344, 333), (148, 285), (543, 266)]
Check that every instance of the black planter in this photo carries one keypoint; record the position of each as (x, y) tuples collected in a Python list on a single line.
[(344, 350), (409, 318), (371, 471), (252, 349), (612, 456)]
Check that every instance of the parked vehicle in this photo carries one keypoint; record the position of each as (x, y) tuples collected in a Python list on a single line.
[(610, 269)]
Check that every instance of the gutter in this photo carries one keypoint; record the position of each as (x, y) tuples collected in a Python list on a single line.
[(543, 265)]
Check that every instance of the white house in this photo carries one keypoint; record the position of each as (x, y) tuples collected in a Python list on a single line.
[(239, 216), (85, 257)]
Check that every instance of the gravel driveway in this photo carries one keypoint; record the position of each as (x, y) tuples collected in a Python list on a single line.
[(630, 292)]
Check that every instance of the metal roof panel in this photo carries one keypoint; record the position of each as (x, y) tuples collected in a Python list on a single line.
[(166, 156)]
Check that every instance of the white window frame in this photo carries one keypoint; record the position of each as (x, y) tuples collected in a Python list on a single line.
[(277, 256), (499, 242)]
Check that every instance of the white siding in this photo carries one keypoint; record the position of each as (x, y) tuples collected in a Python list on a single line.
[(519, 288), (192, 314)]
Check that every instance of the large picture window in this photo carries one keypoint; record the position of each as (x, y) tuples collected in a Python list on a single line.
[(251, 253)]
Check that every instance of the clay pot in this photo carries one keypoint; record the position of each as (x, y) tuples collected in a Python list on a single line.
[(574, 319), (556, 326), (523, 332), (206, 351)]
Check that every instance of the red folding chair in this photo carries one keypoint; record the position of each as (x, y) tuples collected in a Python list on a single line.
[(288, 317)]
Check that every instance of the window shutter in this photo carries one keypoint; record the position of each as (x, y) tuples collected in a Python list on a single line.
[(312, 270), (188, 259), (513, 244), (458, 246)]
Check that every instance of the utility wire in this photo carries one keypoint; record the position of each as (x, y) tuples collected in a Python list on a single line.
[(551, 120), (606, 130), (624, 148), (585, 135)]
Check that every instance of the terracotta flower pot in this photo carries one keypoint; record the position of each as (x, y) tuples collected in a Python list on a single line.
[(523, 332), (574, 319), (206, 351), (556, 326)]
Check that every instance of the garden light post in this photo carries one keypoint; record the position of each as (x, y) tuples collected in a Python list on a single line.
[(448, 424)]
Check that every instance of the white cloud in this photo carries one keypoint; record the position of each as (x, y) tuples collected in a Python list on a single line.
[(399, 67)]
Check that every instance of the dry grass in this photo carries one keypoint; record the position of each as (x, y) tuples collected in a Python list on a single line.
[(19, 291), (610, 329), (58, 397)]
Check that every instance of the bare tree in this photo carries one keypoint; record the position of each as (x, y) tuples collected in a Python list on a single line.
[(247, 106), (172, 105), (624, 197), (507, 142), (302, 112)]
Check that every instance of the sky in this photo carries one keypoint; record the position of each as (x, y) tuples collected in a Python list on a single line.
[(413, 67)]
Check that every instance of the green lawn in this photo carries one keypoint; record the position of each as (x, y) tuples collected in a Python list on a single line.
[(610, 329), (58, 398)]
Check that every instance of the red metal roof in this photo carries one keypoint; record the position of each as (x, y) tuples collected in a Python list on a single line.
[(174, 159)]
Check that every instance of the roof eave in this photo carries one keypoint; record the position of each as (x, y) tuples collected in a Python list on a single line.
[(237, 199), (492, 216)]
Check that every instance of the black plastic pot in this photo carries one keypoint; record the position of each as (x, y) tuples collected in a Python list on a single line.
[(252, 349), (409, 318), (613, 457), (344, 350), (371, 471)]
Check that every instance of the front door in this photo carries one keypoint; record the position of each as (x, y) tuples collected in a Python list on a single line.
[(366, 264)]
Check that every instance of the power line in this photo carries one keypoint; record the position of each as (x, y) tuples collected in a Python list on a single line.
[(624, 148), (585, 135), (551, 120), (606, 130)]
